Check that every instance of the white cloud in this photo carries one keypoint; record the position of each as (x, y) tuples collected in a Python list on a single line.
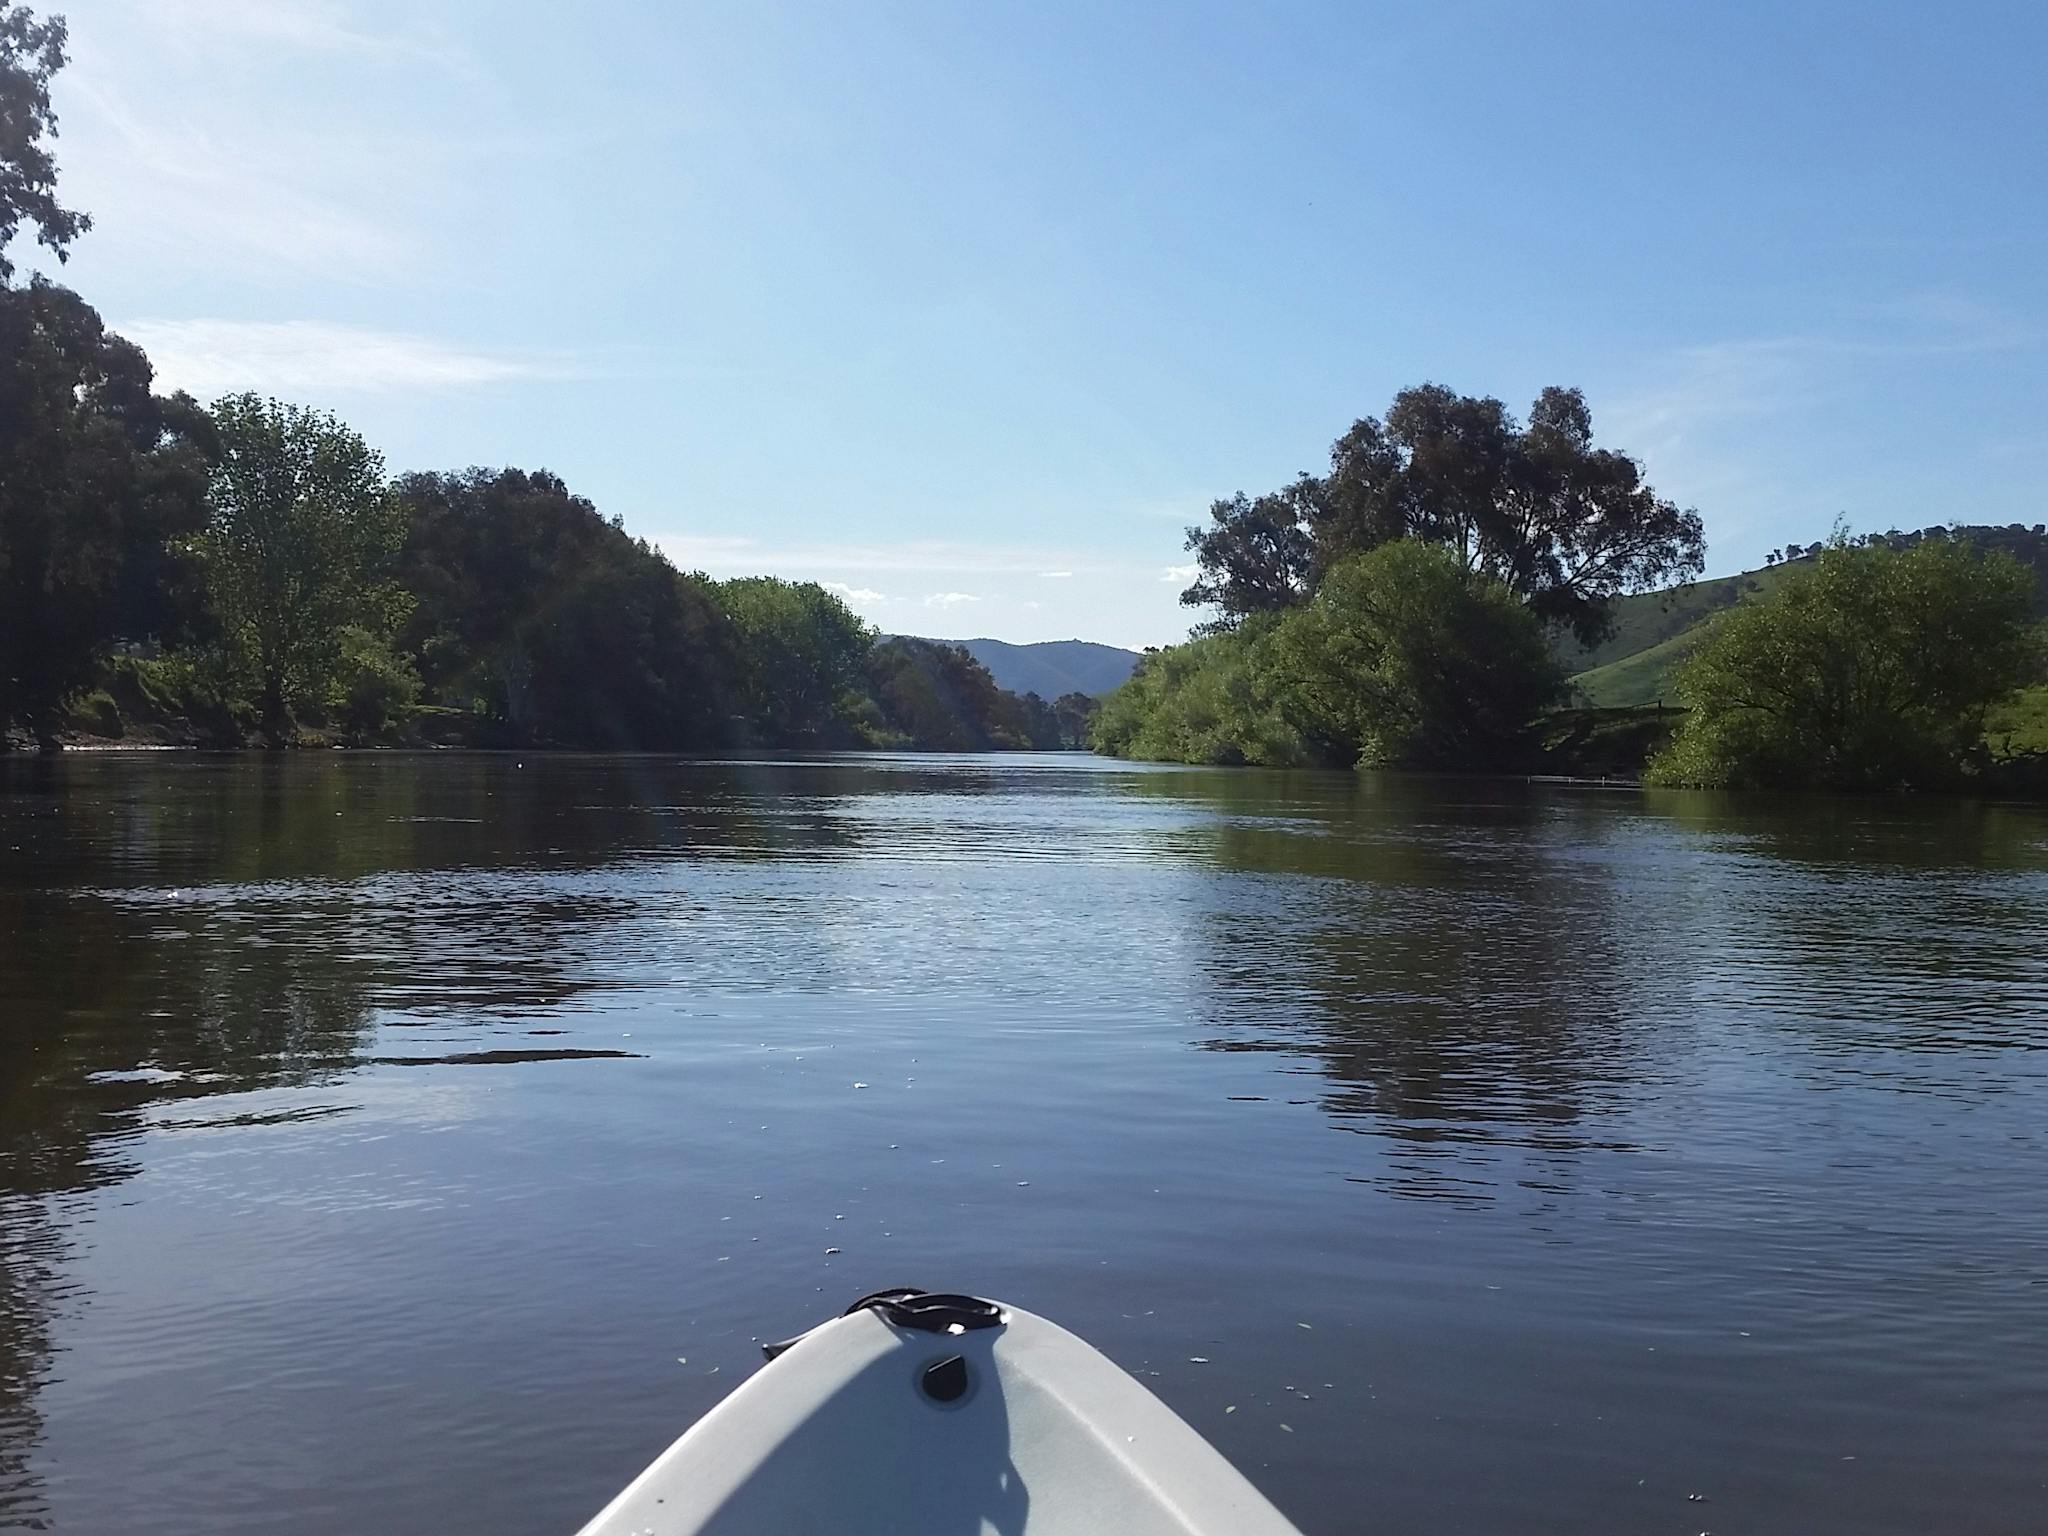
[(312, 357), (1055, 575), (999, 582), (854, 594), (1179, 573)]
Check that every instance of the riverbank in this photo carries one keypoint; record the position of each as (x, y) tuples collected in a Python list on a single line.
[(1593, 744), (934, 698), (1605, 744)]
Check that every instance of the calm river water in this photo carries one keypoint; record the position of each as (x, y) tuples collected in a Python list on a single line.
[(418, 1144)]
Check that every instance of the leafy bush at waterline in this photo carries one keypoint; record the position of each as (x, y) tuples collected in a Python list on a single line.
[(1872, 668), (1208, 701), (1402, 658)]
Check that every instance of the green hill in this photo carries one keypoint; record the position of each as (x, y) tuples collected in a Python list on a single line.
[(1644, 678), (1650, 618), (1655, 631)]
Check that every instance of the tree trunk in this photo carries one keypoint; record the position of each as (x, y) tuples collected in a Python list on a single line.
[(277, 723), (45, 734)]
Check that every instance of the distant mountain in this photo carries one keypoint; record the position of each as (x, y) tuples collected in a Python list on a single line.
[(1050, 668)]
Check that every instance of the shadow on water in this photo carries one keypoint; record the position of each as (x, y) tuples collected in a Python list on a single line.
[(1853, 836), (111, 1009), (175, 928)]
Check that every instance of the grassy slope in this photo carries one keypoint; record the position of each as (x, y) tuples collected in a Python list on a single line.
[(1653, 631), (2019, 726), (1644, 678)]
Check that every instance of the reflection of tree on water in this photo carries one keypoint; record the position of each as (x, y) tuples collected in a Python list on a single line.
[(28, 1289), (107, 1016), (1483, 971), (1918, 921), (180, 928), (175, 930), (1861, 834), (1472, 988)]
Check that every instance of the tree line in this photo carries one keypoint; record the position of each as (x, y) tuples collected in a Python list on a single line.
[(1414, 608), (249, 571), (1394, 611)]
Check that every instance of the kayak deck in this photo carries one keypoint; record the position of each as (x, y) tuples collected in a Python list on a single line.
[(861, 1425)]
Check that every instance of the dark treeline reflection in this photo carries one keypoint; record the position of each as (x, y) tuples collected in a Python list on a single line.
[(109, 1005), (1482, 965), (234, 924), (226, 926), (1459, 978)]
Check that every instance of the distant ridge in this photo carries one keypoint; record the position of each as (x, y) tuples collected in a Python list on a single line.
[(1050, 668)]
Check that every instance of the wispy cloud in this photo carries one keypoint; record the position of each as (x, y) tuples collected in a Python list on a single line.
[(1726, 425), (854, 594), (950, 599), (175, 189), (1942, 323), (1698, 386), (304, 26), (190, 133), (1190, 508), (1179, 573), (1055, 575), (298, 358)]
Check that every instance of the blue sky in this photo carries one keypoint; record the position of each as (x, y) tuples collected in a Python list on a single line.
[(969, 308)]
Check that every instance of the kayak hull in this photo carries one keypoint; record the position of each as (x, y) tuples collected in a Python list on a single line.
[(852, 1430)]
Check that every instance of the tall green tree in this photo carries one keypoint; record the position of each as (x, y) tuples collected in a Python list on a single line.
[(31, 52), (1870, 667), (99, 480), (1025, 722), (1564, 526), (1256, 555), (802, 660), (299, 549), (937, 698), (1406, 657), (543, 622), (1075, 714)]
